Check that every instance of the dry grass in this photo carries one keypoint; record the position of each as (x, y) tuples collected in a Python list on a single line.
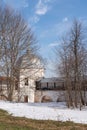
[(8, 122)]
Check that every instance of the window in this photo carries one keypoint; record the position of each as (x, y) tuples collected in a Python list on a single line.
[(16, 85), (26, 81)]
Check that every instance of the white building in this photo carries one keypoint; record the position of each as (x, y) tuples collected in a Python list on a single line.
[(30, 70), (31, 85)]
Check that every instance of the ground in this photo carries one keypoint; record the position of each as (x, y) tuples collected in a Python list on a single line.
[(45, 111), (8, 122)]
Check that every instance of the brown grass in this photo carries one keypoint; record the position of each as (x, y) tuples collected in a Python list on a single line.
[(8, 122)]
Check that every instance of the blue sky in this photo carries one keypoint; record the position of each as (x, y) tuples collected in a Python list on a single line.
[(49, 19)]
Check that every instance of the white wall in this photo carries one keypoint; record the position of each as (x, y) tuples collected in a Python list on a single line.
[(54, 95), (29, 90)]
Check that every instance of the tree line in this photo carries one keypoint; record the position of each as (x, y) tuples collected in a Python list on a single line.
[(73, 64)]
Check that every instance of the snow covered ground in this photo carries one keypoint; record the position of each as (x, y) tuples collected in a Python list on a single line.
[(45, 111)]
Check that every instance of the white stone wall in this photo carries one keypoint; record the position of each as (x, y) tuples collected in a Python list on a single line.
[(54, 95), (27, 91), (32, 75)]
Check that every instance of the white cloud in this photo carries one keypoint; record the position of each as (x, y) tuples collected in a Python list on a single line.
[(54, 44), (42, 7), (42, 11)]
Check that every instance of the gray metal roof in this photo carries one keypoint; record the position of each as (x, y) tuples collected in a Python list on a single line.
[(50, 80)]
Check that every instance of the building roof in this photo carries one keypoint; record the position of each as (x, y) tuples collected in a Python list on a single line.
[(4, 78), (50, 80)]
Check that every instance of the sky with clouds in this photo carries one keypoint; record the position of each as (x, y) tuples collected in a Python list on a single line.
[(49, 19)]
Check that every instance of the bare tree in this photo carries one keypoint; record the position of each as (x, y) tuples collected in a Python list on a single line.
[(73, 63), (77, 42), (16, 41)]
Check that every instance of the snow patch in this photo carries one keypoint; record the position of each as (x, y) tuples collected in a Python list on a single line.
[(45, 111)]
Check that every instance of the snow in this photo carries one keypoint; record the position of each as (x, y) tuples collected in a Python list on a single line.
[(45, 111)]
